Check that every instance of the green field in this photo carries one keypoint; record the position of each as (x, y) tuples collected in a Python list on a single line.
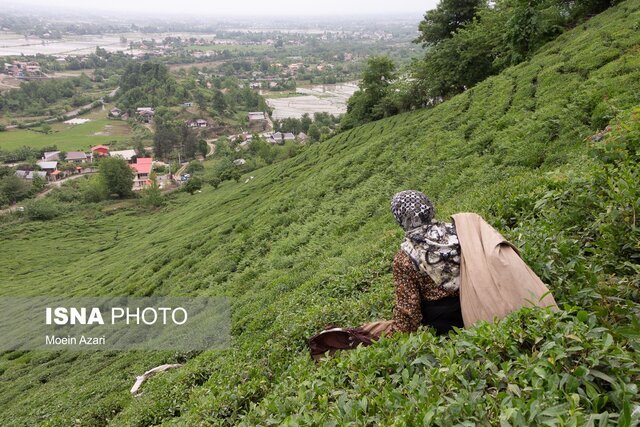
[(235, 48), (69, 137), (309, 242), (282, 94)]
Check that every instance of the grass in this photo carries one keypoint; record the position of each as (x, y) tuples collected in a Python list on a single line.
[(235, 48), (309, 242), (69, 137), (282, 94)]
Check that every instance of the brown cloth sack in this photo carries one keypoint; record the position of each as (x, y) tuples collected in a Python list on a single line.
[(494, 280), (334, 339)]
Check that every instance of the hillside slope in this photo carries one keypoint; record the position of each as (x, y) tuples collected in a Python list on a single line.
[(309, 242)]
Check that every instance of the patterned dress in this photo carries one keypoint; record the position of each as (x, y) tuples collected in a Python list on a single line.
[(411, 288)]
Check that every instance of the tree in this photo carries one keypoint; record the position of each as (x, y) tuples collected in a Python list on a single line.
[(219, 103), (215, 181), (367, 104), (189, 143), (117, 175), (168, 134), (95, 189), (201, 100), (14, 188), (194, 166), (194, 184), (37, 184), (236, 175), (314, 132), (305, 123), (440, 23), (151, 196)]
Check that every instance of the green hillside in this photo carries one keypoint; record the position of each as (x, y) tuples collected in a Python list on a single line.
[(309, 242)]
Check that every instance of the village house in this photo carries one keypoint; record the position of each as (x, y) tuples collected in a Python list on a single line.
[(257, 121), (49, 156), (100, 151), (295, 67), (23, 68), (288, 137), (145, 114), (128, 155), (115, 113), (76, 157), (301, 137), (199, 123), (278, 137), (118, 114), (29, 175), (142, 170), (256, 116), (50, 169)]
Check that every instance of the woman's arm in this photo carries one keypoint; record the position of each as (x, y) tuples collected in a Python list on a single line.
[(407, 314)]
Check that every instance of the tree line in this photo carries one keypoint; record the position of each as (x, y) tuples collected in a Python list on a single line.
[(465, 42)]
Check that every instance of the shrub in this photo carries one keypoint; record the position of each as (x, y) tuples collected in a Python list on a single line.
[(151, 196), (194, 166), (194, 184), (94, 189), (43, 209)]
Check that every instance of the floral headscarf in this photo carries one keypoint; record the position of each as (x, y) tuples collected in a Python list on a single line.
[(412, 209), (433, 246)]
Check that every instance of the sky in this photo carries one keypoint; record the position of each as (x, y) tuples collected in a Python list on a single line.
[(240, 7)]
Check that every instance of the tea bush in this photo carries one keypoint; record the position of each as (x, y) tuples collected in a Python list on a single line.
[(309, 242)]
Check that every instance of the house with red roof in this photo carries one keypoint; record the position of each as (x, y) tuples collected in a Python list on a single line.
[(100, 151), (142, 169)]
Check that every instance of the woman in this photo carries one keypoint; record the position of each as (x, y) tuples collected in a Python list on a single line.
[(430, 269), (426, 269)]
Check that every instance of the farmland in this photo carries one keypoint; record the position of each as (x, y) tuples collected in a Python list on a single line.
[(330, 99), (99, 130), (309, 241)]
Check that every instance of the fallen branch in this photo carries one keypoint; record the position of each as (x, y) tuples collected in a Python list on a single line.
[(151, 372)]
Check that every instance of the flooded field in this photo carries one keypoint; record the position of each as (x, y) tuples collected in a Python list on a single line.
[(330, 99), (17, 44)]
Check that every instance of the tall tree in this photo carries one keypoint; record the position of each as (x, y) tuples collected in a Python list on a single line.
[(367, 103), (219, 103), (117, 175), (440, 23)]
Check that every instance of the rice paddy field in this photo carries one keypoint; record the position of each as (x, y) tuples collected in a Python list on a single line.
[(330, 98)]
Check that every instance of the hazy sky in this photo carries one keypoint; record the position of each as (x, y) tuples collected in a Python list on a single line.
[(241, 7)]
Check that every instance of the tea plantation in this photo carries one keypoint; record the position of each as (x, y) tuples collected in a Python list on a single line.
[(309, 242)]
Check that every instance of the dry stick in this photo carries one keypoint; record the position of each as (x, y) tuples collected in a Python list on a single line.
[(142, 378)]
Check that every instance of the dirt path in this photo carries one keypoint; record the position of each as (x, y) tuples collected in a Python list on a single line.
[(179, 172), (212, 146), (50, 187)]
